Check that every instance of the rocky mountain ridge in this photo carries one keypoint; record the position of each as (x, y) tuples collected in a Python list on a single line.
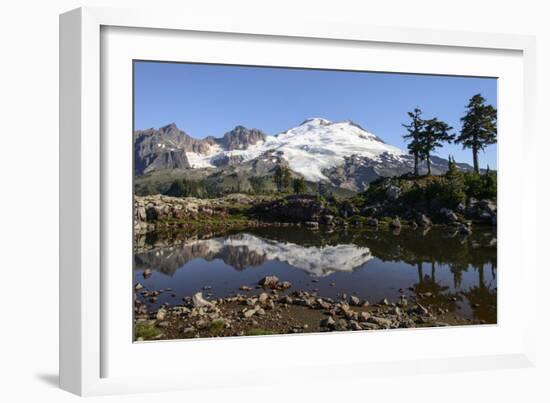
[(341, 154)]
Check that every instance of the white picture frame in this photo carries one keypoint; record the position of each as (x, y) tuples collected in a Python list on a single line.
[(87, 193)]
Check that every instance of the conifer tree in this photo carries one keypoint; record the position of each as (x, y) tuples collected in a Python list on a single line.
[(299, 185), (434, 133), (282, 178), (415, 128), (452, 172), (479, 127)]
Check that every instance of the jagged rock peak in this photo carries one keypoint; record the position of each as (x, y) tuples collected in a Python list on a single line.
[(241, 138)]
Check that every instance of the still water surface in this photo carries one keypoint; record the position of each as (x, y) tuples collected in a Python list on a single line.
[(457, 273)]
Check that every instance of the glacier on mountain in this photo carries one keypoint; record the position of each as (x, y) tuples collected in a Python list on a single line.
[(310, 148)]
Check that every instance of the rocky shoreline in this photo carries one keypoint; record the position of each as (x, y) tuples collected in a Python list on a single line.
[(165, 213), (271, 307)]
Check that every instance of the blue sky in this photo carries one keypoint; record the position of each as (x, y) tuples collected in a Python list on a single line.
[(208, 100)]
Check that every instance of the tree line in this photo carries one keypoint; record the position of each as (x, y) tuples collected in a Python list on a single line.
[(426, 135), (284, 181)]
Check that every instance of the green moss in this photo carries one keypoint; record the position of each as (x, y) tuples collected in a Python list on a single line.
[(146, 331), (259, 332), (216, 326)]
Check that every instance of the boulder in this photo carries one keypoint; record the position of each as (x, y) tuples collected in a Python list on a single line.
[(464, 229), (488, 206), (449, 215), (141, 214), (372, 222), (340, 325), (199, 301), (355, 301), (269, 282), (393, 192), (295, 208), (395, 223), (423, 220)]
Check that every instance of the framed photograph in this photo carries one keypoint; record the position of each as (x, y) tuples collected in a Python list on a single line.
[(324, 195)]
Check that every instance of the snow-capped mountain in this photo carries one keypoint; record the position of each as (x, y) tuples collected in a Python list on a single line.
[(340, 153), (310, 148)]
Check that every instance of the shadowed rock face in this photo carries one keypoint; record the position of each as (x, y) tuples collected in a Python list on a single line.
[(240, 138), (297, 208), (165, 148)]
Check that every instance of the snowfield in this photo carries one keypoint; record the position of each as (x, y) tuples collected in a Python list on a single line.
[(310, 148)]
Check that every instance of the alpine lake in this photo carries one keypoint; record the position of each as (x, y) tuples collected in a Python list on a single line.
[(452, 276)]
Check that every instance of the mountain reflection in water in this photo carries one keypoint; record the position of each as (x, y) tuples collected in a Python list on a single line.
[(458, 273), (246, 250)]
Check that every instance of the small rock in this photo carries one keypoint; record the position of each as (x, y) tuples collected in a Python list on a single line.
[(364, 316), (370, 326), (396, 311), (382, 322), (372, 222), (245, 288), (161, 314), (323, 304), (341, 325), (421, 310), (423, 221), (147, 273), (328, 322), (354, 325), (138, 286), (355, 301)]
